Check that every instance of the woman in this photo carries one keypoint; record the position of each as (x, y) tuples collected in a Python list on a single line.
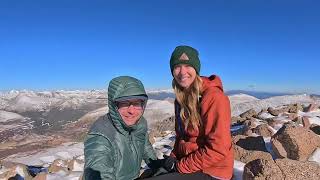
[(203, 148)]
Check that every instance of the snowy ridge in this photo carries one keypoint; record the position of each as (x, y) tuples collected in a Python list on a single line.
[(21, 101), (154, 91), (157, 110), (241, 98), (258, 105), (7, 116)]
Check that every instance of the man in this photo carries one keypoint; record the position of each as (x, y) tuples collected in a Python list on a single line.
[(117, 142)]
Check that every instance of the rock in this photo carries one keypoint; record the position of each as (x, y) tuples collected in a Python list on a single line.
[(298, 170), (264, 110), (264, 115), (263, 130), (75, 165), (54, 169), (315, 128), (295, 108), (163, 125), (151, 137), (306, 122), (261, 169), (245, 128), (246, 156), (249, 124), (271, 122), (248, 132), (41, 176), (250, 143), (249, 114), (291, 116), (15, 172), (294, 142), (237, 119), (298, 120), (276, 112), (281, 169), (312, 107), (58, 165)]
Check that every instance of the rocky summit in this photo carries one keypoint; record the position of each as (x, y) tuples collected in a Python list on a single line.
[(41, 133)]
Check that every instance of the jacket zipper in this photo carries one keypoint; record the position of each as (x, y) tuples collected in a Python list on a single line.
[(133, 148)]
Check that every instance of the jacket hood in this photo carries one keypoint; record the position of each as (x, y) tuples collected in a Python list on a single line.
[(119, 88), (211, 81)]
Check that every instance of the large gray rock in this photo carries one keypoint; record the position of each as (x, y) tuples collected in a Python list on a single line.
[(295, 108), (276, 112), (281, 169), (263, 130), (261, 169), (298, 170), (250, 143), (294, 142), (246, 156), (249, 114)]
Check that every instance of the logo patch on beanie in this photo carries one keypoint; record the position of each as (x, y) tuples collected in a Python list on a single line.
[(184, 57)]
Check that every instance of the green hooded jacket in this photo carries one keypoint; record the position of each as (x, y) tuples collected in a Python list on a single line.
[(112, 149)]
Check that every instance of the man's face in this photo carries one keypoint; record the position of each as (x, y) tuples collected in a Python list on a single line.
[(130, 110)]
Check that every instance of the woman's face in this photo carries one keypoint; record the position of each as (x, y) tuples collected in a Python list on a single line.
[(184, 75)]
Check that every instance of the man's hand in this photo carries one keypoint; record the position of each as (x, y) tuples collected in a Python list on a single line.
[(169, 163)]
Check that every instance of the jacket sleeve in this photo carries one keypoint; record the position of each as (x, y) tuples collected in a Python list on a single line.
[(216, 118), (148, 150), (176, 142), (99, 161)]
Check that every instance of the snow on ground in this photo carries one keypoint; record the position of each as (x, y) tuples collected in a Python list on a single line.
[(65, 151), (265, 115), (7, 116), (276, 101), (315, 156), (21, 101), (241, 98), (314, 116), (165, 106), (157, 110), (238, 167)]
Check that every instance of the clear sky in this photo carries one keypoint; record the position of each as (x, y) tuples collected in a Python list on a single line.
[(263, 45)]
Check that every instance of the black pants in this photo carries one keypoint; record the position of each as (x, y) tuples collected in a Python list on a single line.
[(178, 176)]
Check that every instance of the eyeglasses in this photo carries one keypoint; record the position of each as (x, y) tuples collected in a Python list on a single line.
[(126, 104)]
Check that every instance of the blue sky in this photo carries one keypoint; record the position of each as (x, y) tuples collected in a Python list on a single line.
[(263, 45)]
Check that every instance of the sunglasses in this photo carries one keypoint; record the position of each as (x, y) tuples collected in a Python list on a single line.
[(137, 104)]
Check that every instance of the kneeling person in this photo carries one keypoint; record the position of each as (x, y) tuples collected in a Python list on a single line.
[(118, 141)]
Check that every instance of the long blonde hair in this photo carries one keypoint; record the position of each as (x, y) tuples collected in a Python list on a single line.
[(189, 101)]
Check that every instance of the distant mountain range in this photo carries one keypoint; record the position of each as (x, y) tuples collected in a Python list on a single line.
[(257, 94), (160, 95)]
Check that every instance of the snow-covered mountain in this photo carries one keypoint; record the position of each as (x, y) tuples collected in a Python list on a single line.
[(238, 107), (241, 98), (46, 122)]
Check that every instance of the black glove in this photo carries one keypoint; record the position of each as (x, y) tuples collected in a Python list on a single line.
[(154, 164), (169, 163)]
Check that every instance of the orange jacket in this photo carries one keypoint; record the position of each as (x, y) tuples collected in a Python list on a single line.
[(208, 150)]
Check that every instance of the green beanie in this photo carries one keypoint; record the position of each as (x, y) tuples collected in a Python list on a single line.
[(185, 55)]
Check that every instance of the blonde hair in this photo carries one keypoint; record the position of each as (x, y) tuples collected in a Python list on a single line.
[(189, 101)]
